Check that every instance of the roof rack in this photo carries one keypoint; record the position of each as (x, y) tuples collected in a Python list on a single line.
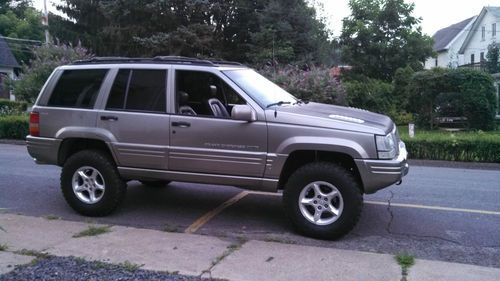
[(157, 59)]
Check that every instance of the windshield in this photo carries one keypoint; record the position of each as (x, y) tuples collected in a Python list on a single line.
[(263, 91)]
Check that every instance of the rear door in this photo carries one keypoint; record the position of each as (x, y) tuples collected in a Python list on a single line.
[(135, 114)]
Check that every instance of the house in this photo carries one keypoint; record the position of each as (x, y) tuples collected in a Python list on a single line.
[(465, 44), (484, 31), (8, 69), (447, 43)]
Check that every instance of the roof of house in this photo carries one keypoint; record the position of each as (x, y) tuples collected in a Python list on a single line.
[(6, 56), (495, 11), (443, 37)]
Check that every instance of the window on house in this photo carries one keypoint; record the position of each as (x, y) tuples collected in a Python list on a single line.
[(436, 62), (493, 29), (483, 32), (481, 57), (138, 90), (472, 59)]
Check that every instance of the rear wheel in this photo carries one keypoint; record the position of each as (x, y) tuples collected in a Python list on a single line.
[(323, 200), (91, 183)]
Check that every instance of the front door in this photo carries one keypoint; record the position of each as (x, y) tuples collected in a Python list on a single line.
[(204, 138)]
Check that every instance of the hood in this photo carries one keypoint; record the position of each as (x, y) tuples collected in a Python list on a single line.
[(331, 116)]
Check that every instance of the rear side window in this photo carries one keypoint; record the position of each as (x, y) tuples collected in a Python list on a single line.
[(139, 90), (77, 88)]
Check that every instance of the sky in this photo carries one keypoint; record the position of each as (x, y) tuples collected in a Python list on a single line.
[(435, 14)]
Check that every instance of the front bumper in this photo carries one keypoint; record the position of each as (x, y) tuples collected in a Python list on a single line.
[(43, 150), (377, 174)]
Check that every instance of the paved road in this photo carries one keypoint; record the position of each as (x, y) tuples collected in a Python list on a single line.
[(462, 224)]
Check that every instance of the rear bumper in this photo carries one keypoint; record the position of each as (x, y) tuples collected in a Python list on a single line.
[(43, 150), (377, 174)]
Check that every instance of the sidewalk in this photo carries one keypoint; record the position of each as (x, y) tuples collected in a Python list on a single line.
[(212, 257)]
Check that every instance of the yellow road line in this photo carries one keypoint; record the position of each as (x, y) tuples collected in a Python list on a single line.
[(208, 216), (415, 206), (483, 212)]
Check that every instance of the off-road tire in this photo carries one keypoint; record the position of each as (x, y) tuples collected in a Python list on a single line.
[(346, 184), (115, 186)]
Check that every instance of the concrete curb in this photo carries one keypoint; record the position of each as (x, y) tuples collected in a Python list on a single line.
[(213, 257)]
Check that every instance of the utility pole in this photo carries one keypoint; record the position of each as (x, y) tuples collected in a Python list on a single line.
[(45, 21)]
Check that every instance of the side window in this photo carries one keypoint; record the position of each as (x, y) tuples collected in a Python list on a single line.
[(77, 88), (139, 90), (205, 94)]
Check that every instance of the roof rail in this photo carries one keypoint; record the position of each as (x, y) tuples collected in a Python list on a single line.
[(157, 59)]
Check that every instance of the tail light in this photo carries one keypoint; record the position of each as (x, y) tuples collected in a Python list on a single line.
[(34, 124)]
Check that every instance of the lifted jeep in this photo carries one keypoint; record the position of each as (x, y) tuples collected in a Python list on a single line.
[(106, 121)]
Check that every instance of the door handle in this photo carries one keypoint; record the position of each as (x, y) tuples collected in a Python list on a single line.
[(109, 118), (181, 124)]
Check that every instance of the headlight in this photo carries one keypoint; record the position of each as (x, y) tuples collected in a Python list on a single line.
[(386, 146)]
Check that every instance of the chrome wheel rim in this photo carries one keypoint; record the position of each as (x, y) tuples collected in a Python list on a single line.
[(321, 203), (88, 185)]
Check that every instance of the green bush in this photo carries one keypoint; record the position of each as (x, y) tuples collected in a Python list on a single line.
[(371, 94), (14, 127), (8, 107), (315, 84), (47, 58), (459, 146), (474, 96)]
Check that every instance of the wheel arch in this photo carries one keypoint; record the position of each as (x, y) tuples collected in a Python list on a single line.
[(299, 158), (70, 146)]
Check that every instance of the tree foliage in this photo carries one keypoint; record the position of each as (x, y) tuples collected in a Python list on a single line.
[(46, 59), (492, 58), (314, 84), (468, 92), (381, 36), (250, 31), (18, 19)]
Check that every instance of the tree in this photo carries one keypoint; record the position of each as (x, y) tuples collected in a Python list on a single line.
[(19, 20), (492, 62), (239, 30), (381, 36), (46, 59)]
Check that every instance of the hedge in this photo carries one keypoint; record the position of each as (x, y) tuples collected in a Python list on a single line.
[(460, 146), (13, 106), (14, 127)]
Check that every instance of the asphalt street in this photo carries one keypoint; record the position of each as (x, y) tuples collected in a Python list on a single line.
[(449, 214)]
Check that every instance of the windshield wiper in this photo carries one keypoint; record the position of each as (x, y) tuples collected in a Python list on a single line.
[(300, 101), (280, 103)]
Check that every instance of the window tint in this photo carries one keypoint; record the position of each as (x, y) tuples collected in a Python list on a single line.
[(147, 90), (139, 90), (116, 98), (77, 88)]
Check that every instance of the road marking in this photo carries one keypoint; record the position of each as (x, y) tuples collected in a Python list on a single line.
[(416, 206), (403, 205), (208, 216)]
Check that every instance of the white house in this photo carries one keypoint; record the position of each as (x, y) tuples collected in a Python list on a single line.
[(8, 66), (447, 43), (484, 31)]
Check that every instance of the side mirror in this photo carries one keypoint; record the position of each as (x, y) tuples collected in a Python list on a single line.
[(243, 112)]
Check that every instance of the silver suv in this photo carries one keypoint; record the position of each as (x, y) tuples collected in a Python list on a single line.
[(107, 121)]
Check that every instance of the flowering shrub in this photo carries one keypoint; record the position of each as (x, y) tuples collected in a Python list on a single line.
[(315, 84), (46, 59)]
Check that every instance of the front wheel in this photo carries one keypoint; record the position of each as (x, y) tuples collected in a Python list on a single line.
[(323, 200), (91, 183)]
